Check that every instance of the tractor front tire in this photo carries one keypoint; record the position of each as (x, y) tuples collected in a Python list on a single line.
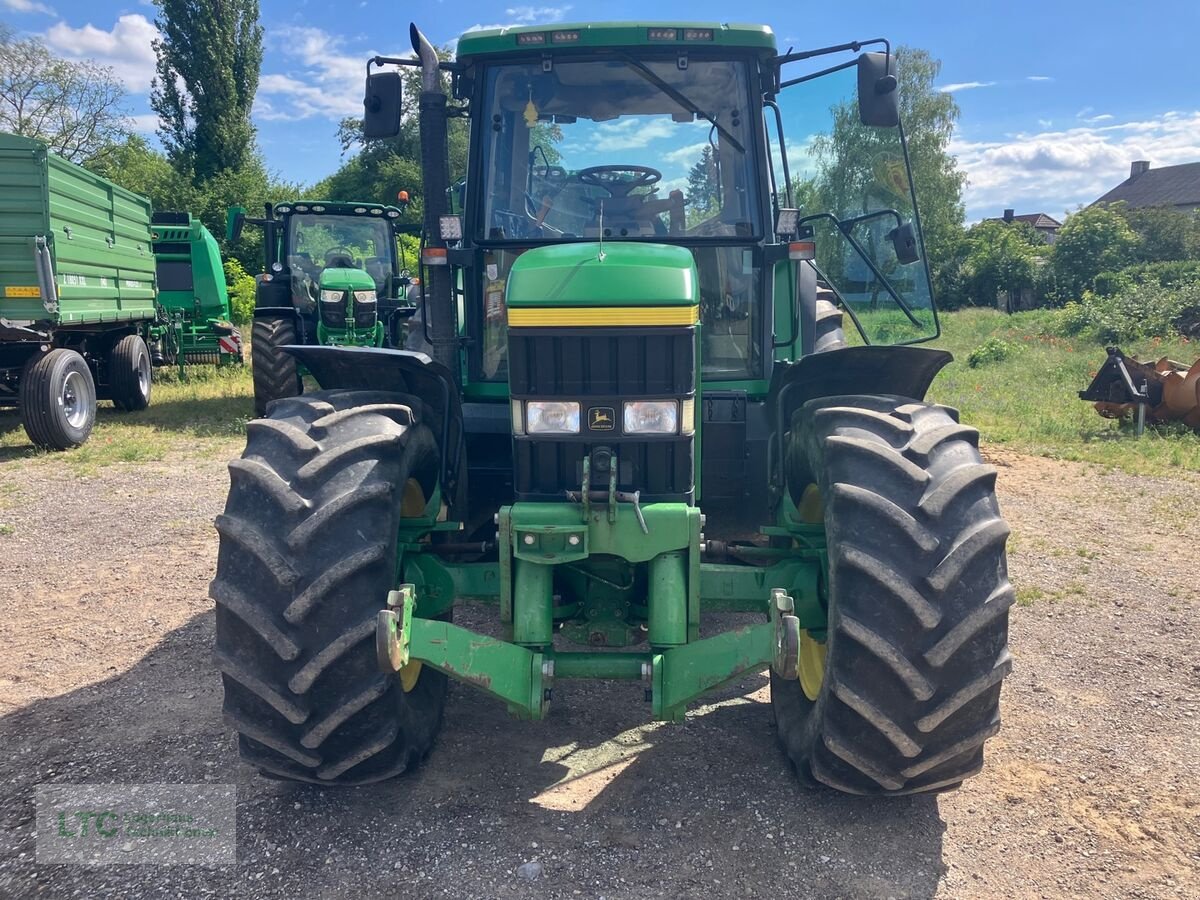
[(905, 690), (58, 400), (129, 374), (275, 373), (308, 554)]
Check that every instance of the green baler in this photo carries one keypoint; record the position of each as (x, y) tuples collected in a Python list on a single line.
[(192, 292), (640, 407)]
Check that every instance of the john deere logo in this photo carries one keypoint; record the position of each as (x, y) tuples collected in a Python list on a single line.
[(600, 418)]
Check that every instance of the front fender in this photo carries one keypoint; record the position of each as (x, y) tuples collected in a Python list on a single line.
[(399, 371)]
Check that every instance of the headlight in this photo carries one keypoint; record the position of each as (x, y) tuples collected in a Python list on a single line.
[(652, 417), (364, 296), (332, 296), (544, 417)]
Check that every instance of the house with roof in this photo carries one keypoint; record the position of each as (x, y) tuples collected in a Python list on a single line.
[(1176, 187), (1045, 225)]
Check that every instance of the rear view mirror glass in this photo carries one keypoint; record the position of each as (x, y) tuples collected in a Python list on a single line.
[(878, 94), (904, 241), (382, 104)]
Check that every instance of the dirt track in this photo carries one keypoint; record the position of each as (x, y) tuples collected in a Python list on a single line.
[(1091, 789)]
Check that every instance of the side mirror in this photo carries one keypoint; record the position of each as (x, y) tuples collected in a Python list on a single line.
[(235, 221), (904, 242), (382, 103), (878, 97)]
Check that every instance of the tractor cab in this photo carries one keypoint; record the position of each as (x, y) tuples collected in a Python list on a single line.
[(695, 137), (335, 269)]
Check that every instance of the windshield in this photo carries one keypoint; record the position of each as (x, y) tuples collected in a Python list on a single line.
[(860, 175), (318, 242), (647, 148)]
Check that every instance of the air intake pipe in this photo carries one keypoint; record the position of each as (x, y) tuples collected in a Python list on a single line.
[(439, 298)]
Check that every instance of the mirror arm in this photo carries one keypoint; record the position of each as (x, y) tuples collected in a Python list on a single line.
[(444, 65), (815, 75)]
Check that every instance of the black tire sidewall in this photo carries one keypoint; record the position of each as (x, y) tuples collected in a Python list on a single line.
[(41, 400), (124, 365)]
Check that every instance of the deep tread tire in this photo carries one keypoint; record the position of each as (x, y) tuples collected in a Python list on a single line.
[(918, 598), (830, 334), (307, 556), (43, 400), (275, 373), (129, 374)]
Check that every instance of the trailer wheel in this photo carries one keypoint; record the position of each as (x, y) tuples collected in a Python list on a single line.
[(275, 372), (58, 400), (129, 374), (308, 553), (904, 691)]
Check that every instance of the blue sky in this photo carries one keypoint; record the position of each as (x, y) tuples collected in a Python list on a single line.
[(1057, 97)]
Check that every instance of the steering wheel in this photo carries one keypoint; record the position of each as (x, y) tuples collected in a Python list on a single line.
[(606, 177), (341, 251)]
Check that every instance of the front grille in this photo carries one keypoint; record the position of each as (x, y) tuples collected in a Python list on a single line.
[(545, 363), (603, 367)]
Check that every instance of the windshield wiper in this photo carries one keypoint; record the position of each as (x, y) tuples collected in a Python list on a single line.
[(681, 99)]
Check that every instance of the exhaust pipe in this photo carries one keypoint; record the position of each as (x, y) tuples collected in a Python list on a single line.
[(440, 310)]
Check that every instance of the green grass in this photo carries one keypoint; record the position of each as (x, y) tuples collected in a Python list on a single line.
[(1028, 401), (203, 413)]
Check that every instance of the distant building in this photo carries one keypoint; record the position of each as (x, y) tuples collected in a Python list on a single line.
[(1046, 226), (1170, 186)]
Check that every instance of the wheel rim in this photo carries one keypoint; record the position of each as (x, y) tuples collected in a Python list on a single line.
[(143, 373), (812, 665), (74, 399), (412, 504)]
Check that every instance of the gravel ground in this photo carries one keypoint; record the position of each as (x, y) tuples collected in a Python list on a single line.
[(1091, 789)]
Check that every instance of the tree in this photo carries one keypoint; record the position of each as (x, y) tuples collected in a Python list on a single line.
[(75, 107), (704, 186), (1163, 233), (137, 167), (1001, 256), (861, 166), (207, 74), (1094, 240)]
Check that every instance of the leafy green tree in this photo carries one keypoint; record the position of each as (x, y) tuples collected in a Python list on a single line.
[(207, 74), (241, 292), (1093, 240), (137, 167), (1164, 234), (75, 107), (1001, 256)]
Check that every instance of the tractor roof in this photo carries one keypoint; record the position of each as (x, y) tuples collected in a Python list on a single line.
[(615, 34)]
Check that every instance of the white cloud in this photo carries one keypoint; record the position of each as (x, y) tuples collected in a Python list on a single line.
[(327, 83), (681, 155), (1054, 171), (631, 133), (145, 123), (530, 15), (28, 6), (964, 86), (1103, 117), (126, 47), (1038, 78)]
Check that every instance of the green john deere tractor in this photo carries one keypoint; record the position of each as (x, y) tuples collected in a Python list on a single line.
[(640, 406), (333, 276)]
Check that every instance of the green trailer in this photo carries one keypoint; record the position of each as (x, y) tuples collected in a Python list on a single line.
[(192, 294), (77, 295)]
